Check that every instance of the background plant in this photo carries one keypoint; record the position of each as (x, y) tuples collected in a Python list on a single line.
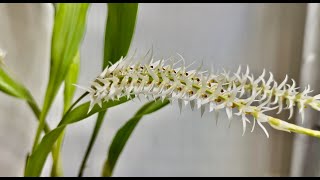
[(66, 57), (68, 31)]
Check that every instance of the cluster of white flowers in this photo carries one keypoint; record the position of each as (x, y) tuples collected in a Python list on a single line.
[(201, 89)]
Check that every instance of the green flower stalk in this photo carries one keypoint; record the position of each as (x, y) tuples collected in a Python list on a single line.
[(238, 93)]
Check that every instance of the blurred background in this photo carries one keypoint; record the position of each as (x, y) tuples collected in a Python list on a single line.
[(275, 37)]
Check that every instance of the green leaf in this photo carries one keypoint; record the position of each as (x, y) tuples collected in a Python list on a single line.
[(36, 160), (119, 30), (69, 90), (118, 35), (38, 157), (13, 88), (68, 31), (57, 169), (123, 134), (70, 80), (81, 112), (94, 135)]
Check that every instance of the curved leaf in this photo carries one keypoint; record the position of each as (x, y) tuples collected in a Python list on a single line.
[(36, 160), (69, 90), (123, 134), (13, 88), (81, 111), (68, 31), (38, 157)]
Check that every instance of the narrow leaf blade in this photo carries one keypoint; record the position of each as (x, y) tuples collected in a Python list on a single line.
[(39, 155), (12, 87), (118, 35), (123, 134), (36, 160), (70, 80), (69, 90), (81, 112), (68, 31), (93, 138), (119, 30)]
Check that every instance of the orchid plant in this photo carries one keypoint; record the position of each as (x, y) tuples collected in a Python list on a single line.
[(125, 77)]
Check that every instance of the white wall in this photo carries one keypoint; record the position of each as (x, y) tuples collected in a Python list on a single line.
[(166, 143), (25, 33)]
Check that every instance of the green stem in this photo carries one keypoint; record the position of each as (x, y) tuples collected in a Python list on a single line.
[(57, 169), (72, 106), (292, 127), (36, 111), (92, 141), (41, 124)]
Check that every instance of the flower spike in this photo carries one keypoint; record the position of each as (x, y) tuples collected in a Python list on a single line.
[(205, 90)]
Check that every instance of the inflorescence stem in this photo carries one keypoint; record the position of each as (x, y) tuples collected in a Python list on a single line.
[(213, 91)]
